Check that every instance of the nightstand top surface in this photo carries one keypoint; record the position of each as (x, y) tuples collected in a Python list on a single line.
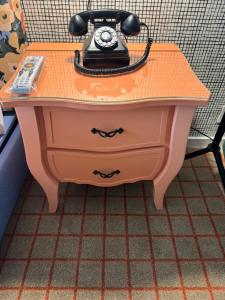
[(165, 77)]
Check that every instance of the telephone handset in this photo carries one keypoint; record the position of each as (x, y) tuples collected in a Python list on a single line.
[(105, 53)]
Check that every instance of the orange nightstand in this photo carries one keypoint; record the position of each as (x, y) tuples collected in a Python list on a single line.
[(107, 131)]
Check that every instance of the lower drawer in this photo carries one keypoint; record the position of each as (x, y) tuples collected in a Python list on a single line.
[(106, 169)]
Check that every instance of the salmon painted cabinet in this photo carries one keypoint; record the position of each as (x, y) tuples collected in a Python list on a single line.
[(107, 131)]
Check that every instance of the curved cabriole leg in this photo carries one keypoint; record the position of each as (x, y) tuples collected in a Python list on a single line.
[(32, 144), (51, 191), (159, 191), (179, 135)]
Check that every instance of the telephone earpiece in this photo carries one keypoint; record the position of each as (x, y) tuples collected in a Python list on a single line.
[(131, 25), (78, 26)]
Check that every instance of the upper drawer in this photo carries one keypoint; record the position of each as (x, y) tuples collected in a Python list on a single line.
[(68, 128)]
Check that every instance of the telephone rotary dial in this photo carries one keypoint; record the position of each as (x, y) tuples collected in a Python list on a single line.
[(105, 37)]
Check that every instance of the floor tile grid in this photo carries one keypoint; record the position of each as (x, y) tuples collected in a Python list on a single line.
[(80, 245), (103, 247), (131, 214), (122, 235), (10, 235), (28, 260), (108, 235), (150, 243), (121, 260), (127, 244), (217, 235), (176, 255), (119, 214), (128, 197), (210, 157), (206, 205), (196, 240), (208, 212), (207, 157), (56, 245), (157, 213)]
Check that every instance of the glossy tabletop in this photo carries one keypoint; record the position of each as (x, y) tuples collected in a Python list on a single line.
[(166, 76)]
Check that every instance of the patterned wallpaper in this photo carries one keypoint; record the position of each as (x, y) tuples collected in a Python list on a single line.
[(12, 37), (196, 26)]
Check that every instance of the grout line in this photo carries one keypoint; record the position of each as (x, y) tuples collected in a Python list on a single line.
[(176, 254), (28, 260), (63, 288), (116, 235), (150, 243), (80, 244), (103, 246), (56, 245), (119, 260), (127, 244), (133, 214)]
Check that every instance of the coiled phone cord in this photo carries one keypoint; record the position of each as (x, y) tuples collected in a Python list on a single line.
[(116, 71)]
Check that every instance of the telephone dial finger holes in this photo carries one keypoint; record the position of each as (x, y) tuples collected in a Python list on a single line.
[(105, 37)]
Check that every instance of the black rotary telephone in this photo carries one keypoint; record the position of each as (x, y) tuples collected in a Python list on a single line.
[(105, 53)]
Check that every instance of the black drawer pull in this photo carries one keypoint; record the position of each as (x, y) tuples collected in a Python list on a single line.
[(106, 134), (103, 175)]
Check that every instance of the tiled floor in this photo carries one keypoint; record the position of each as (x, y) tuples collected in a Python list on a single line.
[(112, 244)]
